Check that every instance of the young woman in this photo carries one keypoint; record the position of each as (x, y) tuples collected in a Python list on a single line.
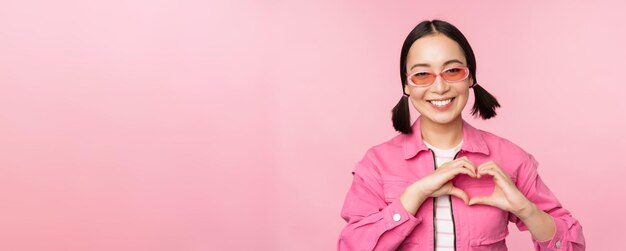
[(442, 184)]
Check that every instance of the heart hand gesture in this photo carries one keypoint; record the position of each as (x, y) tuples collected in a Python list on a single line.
[(439, 183), (505, 194)]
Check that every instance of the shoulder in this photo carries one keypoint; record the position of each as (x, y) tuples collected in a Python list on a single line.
[(512, 158), (382, 154), (391, 148), (502, 146)]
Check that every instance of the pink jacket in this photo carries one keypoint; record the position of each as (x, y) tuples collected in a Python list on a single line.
[(378, 221)]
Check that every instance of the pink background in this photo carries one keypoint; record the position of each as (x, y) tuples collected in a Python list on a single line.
[(234, 125)]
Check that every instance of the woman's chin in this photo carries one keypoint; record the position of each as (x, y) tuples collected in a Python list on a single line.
[(442, 118)]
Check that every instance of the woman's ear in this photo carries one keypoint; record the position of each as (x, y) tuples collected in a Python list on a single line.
[(407, 89)]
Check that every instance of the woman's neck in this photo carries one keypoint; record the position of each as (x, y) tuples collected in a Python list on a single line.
[(444, 136)]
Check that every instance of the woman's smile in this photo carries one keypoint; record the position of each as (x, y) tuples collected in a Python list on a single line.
[(441, 104)]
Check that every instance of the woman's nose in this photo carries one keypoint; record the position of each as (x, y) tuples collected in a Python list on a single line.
[(440, 85)]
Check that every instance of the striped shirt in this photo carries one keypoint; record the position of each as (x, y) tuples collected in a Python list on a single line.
[(444, 226)]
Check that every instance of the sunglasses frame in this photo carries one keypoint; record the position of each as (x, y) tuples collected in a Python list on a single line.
[(467, 72)]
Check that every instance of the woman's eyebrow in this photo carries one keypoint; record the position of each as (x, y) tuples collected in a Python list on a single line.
[(447, 62)]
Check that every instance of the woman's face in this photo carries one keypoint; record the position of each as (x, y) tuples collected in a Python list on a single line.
[(434, 53)]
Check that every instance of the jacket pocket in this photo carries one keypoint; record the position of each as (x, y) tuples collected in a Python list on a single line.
[(474, 187), (393, 187), (410, 246), (463, 181), (497, 243)]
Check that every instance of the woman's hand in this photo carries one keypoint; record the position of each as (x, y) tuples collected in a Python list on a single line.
[(505, 194), (437, 184)]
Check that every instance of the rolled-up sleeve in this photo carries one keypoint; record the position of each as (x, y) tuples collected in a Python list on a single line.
[(372, 223), (569, 233)]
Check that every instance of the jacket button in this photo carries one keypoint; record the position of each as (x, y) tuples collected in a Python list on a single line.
[(558, 244), (396, 217)]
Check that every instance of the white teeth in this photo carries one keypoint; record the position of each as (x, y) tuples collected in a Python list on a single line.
[(440, 103)]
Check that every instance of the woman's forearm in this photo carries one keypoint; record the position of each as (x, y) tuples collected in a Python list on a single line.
[(412, 198), (539, 223)]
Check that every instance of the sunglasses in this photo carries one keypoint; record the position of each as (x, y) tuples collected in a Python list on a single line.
[(424, 78)]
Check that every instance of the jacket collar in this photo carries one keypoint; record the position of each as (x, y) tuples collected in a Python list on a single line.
[(472, 141)]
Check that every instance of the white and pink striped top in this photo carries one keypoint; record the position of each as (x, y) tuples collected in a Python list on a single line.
[(444, 227)]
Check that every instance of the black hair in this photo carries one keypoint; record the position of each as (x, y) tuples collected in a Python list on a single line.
[(485, 104)]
